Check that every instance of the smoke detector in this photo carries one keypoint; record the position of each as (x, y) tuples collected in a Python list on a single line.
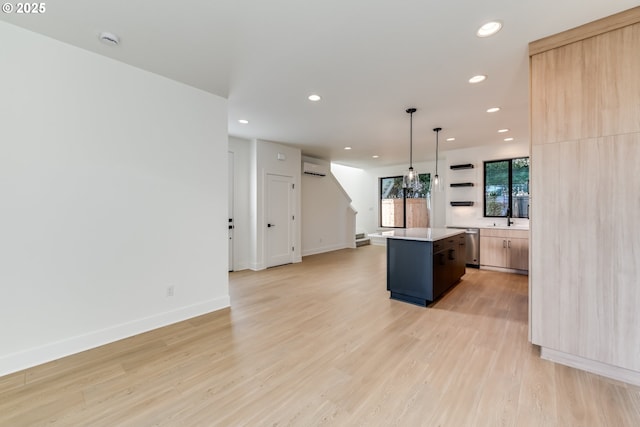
[(109, 39)]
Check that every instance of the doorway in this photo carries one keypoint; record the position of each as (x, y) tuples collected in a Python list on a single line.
[(230, 204), (279, 220)]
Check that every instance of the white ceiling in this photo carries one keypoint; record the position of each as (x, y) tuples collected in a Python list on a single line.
[(368, 59)]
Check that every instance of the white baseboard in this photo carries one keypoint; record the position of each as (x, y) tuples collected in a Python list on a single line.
[(257, 267), (36, 356), (323, 249), (593, 366), (379, 241), (240, 266), (260, 267), (504, 270)]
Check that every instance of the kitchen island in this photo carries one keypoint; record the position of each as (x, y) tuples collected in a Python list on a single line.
[(422, 263)]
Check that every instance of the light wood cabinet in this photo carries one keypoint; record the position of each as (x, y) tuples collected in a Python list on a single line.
[(507, 249), (518, 254), (492, 251), (585, 181), (576, 92)]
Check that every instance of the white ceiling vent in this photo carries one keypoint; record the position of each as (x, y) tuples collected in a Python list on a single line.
[(312, 169)]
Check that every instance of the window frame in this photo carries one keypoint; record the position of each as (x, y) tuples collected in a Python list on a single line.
[(404, 198), (510, 185)]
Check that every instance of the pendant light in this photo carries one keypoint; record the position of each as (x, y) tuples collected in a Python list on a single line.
[(411, 180), (437, 181)]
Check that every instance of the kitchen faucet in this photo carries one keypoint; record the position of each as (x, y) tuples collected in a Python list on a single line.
[(509, 222)]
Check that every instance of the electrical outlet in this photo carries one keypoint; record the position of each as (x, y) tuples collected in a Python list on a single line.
[(170, 290)]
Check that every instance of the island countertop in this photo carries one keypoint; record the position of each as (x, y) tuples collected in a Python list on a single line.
[(422, 234), (493, 227)]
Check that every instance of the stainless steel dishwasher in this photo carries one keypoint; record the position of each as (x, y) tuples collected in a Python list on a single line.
[(472, 245)]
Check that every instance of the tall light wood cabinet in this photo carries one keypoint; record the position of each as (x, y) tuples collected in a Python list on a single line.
[(585, 196)]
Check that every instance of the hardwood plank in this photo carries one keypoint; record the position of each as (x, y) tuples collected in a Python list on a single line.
[(498, 405), (12, 381), (321, 343), (537, 401)]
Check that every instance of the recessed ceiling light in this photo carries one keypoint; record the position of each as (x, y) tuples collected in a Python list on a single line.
[(314, 97), (477, 79), (347, 148), (489, 29), (508, 139), (243, 121), (109, 38), (493, 110), (451, 139), (375, 156), (503, 130)]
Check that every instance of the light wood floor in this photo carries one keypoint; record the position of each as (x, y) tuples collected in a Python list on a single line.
[(321, 343)]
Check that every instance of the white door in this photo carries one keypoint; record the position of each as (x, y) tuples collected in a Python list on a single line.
[(231, 225), (279, 224)]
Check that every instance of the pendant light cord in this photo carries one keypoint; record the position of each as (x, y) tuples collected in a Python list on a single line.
[(437, 145), (437, 131), (410, 138)]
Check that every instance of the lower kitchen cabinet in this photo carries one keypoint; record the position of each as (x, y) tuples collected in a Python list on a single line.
[(508, 249), (419, 271)]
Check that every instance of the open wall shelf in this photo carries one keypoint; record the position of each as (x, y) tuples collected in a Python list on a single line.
[(463, 194)]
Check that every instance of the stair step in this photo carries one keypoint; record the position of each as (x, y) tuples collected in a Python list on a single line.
[(363, 242)]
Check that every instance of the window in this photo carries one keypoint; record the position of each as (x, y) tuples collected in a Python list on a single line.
[(506, 188), (401, 208)]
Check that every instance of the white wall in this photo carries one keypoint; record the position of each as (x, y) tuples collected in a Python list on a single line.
[(324, 222), (327, 215), (356, 184), (472, 216), (264, 161), (363, 187), (241, 149), (113, 188)]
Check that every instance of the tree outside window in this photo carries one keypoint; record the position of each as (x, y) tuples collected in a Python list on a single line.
[(506, 188)]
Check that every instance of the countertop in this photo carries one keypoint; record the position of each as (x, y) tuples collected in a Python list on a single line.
[(492, 227), (422, 234)]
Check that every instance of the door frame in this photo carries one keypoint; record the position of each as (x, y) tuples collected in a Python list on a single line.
[(290, 223), (231, 207)]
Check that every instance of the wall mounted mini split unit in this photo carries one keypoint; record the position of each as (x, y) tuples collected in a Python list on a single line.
[(313, 169)]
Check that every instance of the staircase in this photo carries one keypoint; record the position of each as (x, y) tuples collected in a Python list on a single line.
[(362, 240)]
